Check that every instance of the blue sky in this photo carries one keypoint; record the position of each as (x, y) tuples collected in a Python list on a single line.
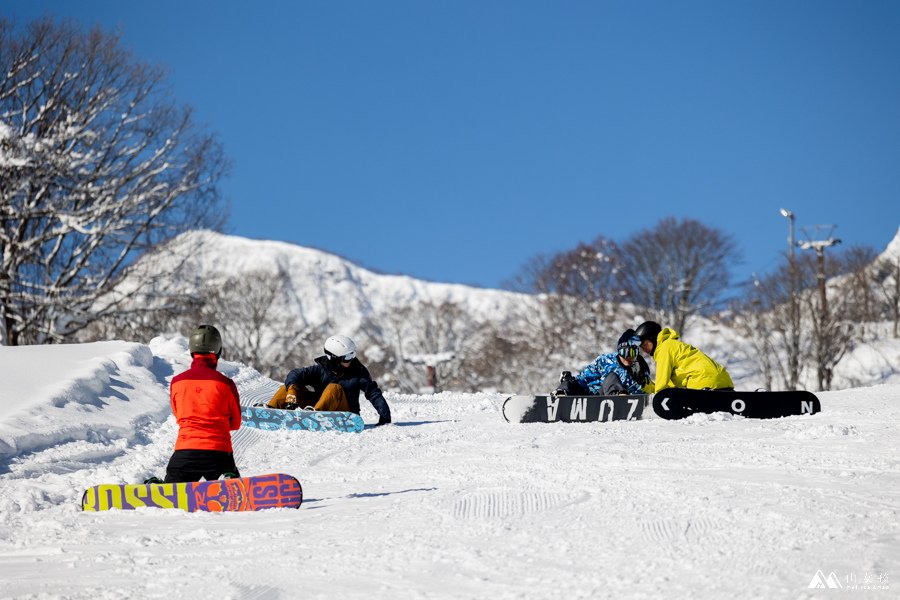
[(455, 140)]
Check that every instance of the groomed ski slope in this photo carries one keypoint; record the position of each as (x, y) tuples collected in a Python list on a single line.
[(448, 502)]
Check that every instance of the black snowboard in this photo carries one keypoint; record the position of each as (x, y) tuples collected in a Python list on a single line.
[(678, 403), (574, 409)]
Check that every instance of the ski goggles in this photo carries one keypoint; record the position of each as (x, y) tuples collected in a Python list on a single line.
[(629, 352), (336, 359)]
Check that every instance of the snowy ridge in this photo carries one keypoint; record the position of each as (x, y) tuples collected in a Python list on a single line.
[(892, 252), (448, 502), (324, 290), (325, 287)]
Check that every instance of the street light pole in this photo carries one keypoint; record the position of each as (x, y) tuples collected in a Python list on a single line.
[(790, 217), (793, 359)]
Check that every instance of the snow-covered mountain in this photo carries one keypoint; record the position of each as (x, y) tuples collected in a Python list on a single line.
[(277, 302), (394, 315), (890, 261), (321, 287), (892, 252)]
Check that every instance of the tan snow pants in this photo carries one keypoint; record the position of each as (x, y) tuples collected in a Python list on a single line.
[(332, 398)]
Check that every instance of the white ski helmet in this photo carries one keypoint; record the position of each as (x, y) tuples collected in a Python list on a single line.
[(340, 347)]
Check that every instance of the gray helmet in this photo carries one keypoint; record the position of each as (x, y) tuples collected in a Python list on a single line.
[(206, 339)]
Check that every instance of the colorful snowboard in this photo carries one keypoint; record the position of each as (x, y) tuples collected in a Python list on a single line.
[(574, 409), (247, 493), (678, 403), (268, 419)]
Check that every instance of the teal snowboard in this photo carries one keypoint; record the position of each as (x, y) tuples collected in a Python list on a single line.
[(269, 419)]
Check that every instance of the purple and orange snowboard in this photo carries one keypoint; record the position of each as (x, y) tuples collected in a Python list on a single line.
[(247, 493)]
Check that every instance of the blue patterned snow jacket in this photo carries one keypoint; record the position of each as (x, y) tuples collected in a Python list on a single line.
[(592, 376)]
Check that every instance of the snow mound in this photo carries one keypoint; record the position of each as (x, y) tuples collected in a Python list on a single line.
[(449, 501), (62, 393)]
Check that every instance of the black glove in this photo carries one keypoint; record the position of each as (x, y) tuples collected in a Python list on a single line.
[(383, 421), (569, 386), (563, 388), (642, 377), (643, 371)]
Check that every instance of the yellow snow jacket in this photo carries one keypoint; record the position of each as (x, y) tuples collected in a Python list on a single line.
[(681, 365)]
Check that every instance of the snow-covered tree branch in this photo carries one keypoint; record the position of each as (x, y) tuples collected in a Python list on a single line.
[(97, 165)]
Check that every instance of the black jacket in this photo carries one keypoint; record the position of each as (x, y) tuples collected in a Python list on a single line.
[(353, 379)]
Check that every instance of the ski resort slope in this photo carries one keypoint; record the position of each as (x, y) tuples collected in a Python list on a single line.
[(448, 502)]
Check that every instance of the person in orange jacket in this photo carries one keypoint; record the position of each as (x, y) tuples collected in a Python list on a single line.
[(206, 404)]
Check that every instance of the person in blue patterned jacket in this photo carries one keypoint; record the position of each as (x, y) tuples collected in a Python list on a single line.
[(621, 372)]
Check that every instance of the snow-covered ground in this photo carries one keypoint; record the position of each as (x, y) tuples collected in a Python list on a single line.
[(448, 502)]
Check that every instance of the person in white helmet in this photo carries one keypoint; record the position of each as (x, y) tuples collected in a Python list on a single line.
[(333, 383)]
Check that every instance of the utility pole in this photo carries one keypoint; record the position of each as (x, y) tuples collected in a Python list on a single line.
[(819, 247), (431, 362)]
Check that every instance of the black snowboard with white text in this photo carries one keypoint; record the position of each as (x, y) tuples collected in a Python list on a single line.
[(678, 403), (574, 409)]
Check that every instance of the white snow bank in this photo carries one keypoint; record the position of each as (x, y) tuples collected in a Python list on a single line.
[(61, 393)]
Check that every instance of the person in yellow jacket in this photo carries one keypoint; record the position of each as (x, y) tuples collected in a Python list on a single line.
[(678, 364)]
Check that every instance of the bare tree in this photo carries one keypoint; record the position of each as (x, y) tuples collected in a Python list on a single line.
[(247, 307), (97, 166), (777, 298), (827, 318), (581, 298), (677, 269), (409, 334), (754, 317), (506, 359), (831, 315), (857, 284)]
